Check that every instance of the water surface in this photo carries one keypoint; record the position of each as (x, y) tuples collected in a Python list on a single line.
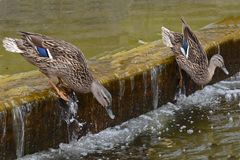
[(205, 125), (103, 27)]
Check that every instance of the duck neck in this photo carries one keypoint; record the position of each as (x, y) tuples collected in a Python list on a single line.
[(211, 69)]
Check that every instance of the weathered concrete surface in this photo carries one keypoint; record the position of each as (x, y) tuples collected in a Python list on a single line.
[(139, 80)]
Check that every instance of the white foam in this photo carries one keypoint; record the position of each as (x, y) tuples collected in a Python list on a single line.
[(154, 121)]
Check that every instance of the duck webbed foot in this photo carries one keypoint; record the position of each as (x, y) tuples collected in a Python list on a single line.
[(62, 94)]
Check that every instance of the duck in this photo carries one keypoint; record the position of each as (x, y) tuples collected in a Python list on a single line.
[(190, 55), (63, 60)]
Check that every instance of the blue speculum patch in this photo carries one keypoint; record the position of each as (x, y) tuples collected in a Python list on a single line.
[(42, 52), (185, 45)]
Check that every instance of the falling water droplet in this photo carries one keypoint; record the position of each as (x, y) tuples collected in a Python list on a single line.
[(190, 131), (183, 127)]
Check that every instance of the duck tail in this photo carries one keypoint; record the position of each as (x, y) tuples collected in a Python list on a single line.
[(10, 45), (166, 37)]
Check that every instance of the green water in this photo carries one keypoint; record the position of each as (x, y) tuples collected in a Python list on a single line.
[(203, 136), (202, 126), (102, 27)]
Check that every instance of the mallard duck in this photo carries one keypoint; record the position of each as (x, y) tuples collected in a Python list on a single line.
[(57, 58), (190, 55)]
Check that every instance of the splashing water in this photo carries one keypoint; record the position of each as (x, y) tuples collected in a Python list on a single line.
[(69, 115), (154, 85), (111, 137), (157, 121), (73, 106)]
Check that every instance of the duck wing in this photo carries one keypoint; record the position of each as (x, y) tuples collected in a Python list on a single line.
[(191, 46), (52, 48)]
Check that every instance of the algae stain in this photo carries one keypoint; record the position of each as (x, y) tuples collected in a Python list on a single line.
[(3, 120)]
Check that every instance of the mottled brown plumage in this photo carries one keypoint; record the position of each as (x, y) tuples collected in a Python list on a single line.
[(190, 56), (60, 59), (67, 62)]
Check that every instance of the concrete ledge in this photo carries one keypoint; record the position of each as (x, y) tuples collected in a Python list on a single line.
[(140, 80)]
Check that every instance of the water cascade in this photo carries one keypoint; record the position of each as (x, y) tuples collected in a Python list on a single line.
[(121, 88), (145, 83), (154, 86), (132, 83), (18, 127), (158, 121), (69, 115)]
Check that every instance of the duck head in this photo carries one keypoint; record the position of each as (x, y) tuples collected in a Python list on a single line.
[(103, 97)]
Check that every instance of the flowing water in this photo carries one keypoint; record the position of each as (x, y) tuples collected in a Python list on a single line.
[(205, 125), (69, 115), (154, 86), (101, 27), (19, 127)]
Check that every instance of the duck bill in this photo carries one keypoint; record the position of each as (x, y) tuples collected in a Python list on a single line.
[(225, 70), (109, 112)]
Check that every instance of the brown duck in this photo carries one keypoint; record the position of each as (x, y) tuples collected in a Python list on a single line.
[(57, 58), (190, 55)]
